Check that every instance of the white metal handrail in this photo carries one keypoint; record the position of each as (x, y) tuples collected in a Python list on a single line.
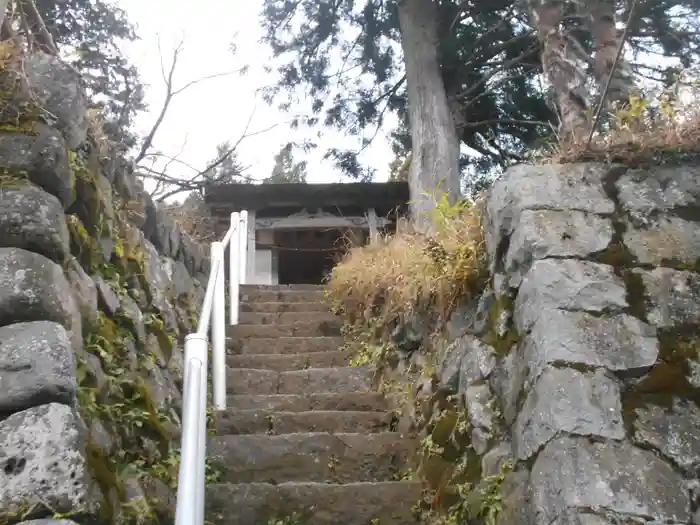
[(190, 488)]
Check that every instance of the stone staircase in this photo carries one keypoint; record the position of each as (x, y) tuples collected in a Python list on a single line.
[(304, 439)]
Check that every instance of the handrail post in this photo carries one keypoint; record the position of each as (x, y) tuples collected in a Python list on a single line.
[(243, 253), (234, 269), (202, 424), (190, 490), (218, 328)]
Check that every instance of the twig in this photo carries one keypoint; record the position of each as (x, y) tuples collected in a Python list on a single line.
[(170, 93), (601, 102), (43, 35)]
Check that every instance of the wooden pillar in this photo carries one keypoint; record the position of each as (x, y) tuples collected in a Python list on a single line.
[(373, 228), (251, 247)]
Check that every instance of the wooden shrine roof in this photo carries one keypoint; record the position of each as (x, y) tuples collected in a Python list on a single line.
[(384, 197)]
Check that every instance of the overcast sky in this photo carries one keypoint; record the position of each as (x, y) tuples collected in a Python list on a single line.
[(218, 109)]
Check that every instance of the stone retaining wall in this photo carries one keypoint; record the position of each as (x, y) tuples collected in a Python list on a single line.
[(96, 295), (580, 364)]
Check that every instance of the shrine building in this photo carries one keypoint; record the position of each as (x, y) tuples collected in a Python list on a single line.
[(297, 232)]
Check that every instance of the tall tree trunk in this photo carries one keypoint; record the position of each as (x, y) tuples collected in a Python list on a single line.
[(562, 69), (602, 24), (435, 145), (3, 10)]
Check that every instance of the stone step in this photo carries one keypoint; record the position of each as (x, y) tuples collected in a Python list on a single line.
[(356, 401), (281, 287), (234, 422), (284, 345), (312, 328), (312, 380), (278, 307), (385, 503), (285, 295), (259, 318), (322, 380), (320, 457), (286, 362)]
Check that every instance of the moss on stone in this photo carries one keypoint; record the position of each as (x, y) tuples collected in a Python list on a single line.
[(82, 245), (10, 178), (668, 379), (502, 339), (125, 405)]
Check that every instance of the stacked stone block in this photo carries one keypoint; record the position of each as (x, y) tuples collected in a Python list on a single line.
[(49, 301), (580, 362)]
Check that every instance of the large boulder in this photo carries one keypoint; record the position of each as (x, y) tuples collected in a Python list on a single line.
[(33, 220), (572, 187), (33, 288), (575, 475), (43, 469), (37, 366), (59, 90), (43, 158)]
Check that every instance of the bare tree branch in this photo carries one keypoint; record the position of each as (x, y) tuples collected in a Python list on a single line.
[(170, 93), (198, 180), (39, 30)]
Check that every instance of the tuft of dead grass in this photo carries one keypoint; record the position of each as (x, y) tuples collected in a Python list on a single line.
[(657, 127), (413, 271)]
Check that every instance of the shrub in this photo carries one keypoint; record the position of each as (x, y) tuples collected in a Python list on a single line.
[(413, 271)]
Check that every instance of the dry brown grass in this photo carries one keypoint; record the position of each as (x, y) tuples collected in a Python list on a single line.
[(410, 270), (658, 127)]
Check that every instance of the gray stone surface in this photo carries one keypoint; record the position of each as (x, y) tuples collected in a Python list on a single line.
[(672, 296), (567, 284), (106, 195), (130, 311), (507, 380), (514, 499), (43, 158), (662, 188), (149, 223), (33, 220), (494, 459), (42, 462), (664, 240), (160, 287), (554, 233), (574, 473), (59, 90), (620, 343), (37, 366), (84, 291), (478, 363), (475, 392), (474, 320), (548, 187), (167, 235), (479, 403), (179, 277), (48, 522), (463, 319), (672, 431), (566, 400), (192, 255), (107, 299), (451, 363), (33, 288), (124, 180), (577, 516)]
